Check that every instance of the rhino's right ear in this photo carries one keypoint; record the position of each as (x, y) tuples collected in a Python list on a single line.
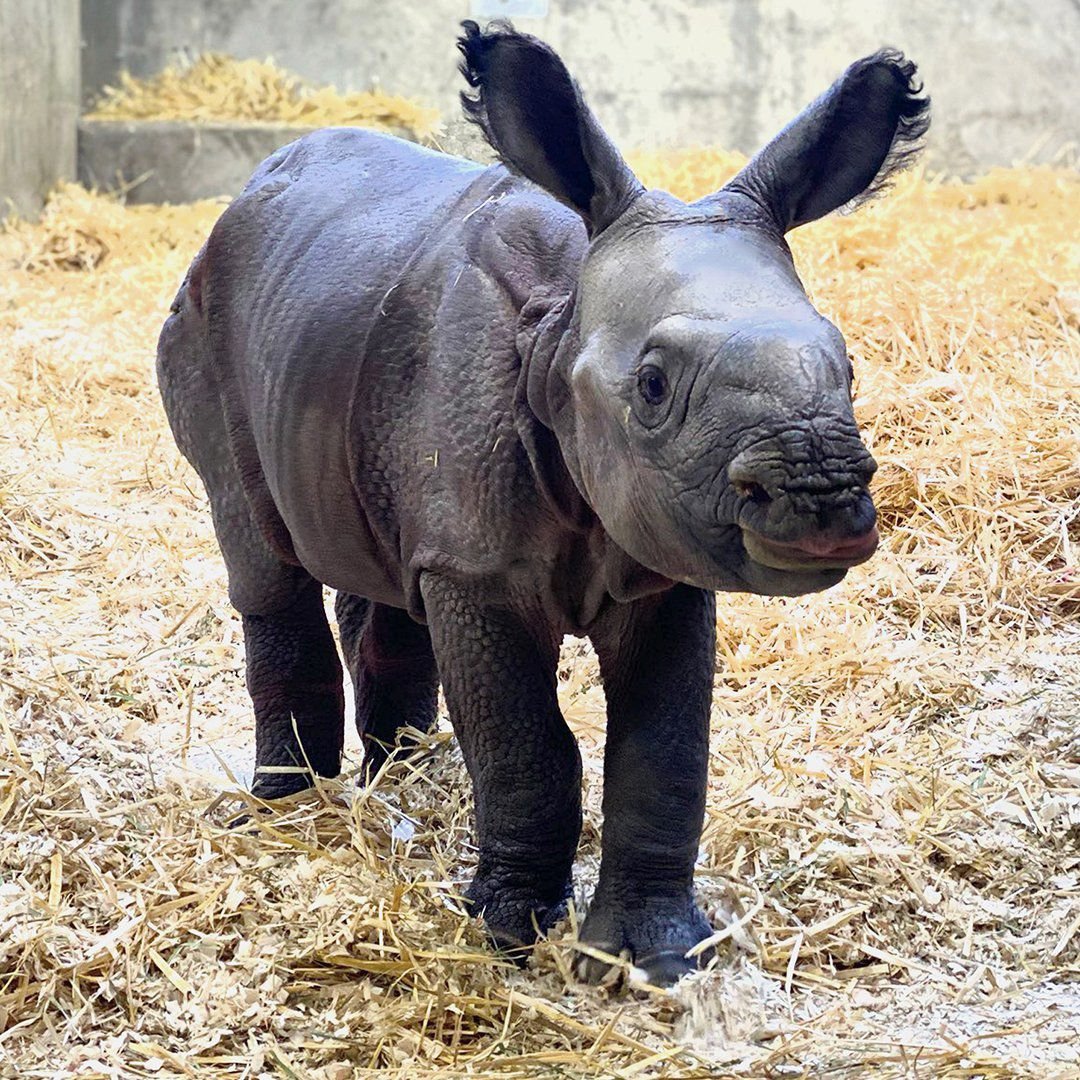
[(533, 115)]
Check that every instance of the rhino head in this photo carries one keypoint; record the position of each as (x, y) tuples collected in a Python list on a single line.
[(702, 405)]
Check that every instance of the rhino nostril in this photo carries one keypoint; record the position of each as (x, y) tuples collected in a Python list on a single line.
[(747, 489)]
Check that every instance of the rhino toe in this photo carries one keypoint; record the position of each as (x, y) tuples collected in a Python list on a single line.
[(514, 918), (653, 936)]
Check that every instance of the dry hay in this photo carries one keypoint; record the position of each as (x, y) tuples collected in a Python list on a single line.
[(894, 807), (214, 88)]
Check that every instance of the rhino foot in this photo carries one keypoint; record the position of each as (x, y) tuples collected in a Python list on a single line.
[(269, 786), (513, 917), (656, 933)]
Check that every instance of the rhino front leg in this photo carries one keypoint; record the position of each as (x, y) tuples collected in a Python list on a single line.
[(498, 674), (657, 661)]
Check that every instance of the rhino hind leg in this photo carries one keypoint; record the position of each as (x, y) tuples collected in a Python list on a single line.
[(294, 678), (395, 678)]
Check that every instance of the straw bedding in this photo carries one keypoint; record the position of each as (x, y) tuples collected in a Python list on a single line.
[(892, 848), (215, 88)]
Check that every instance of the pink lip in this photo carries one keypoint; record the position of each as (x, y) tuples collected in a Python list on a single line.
[(825, 548)]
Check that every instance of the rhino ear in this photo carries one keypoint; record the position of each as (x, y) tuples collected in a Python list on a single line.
[(533, 115), (843, 148)]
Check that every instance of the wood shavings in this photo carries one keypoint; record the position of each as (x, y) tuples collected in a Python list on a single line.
[(895, 780)]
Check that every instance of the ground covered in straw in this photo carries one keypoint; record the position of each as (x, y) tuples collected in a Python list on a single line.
[(893, 834)]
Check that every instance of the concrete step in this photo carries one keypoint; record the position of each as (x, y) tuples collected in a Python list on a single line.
[(177, 161)]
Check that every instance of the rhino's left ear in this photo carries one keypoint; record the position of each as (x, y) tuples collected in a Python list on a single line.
[(533, 115), (845, 146)]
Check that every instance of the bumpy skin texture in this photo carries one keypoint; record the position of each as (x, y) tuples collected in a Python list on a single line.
[(499, 683), (294, 679), (493, 406), (656, 660)]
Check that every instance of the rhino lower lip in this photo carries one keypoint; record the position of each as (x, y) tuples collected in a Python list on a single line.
[(812, 555)]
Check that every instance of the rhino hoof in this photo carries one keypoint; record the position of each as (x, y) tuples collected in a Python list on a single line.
[(649, 946), (662, 967), (513, 920)]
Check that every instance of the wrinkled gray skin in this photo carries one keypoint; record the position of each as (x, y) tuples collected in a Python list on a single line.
[(493, 406)]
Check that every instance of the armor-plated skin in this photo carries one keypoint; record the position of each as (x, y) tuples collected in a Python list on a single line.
[(493, 406)]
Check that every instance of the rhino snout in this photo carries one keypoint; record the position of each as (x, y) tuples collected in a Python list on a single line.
[(795, 513)]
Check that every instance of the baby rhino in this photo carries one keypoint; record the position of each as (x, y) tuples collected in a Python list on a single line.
[(491, 406)]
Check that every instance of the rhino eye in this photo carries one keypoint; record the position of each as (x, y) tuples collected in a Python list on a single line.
[(652, 384)]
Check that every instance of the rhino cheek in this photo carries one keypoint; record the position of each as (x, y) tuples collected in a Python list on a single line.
[(600, 436), (615, 490), (621, 493)]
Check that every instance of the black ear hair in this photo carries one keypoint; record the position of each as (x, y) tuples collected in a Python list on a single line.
[(846, 146), (533, 115)]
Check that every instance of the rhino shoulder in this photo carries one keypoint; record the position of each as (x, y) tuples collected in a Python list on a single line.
[(523, 238)]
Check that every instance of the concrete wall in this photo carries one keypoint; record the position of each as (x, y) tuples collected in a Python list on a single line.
[(39, 99), (1003, 73)]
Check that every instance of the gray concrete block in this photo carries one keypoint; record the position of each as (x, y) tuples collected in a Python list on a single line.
[(39, 99), (1003, 73), (174, 161)]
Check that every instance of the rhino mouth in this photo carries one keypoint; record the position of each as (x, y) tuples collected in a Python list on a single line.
[(820, 552)]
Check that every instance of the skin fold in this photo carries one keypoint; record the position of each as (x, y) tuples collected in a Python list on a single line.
[(491, 406)]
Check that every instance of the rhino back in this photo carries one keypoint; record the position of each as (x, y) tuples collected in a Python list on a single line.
[(361, 302)]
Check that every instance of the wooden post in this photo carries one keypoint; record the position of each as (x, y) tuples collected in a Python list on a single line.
[(39, 100)]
